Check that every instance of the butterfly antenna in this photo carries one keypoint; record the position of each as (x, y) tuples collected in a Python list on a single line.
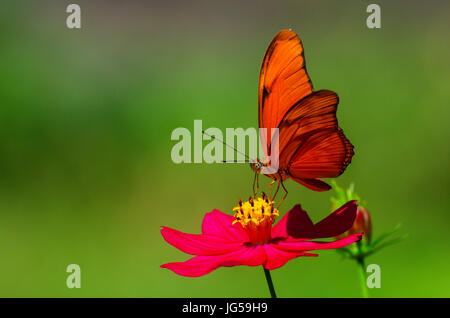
[(231, 147), (236, 161)]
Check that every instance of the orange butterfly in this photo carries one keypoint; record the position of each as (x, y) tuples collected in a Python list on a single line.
[(311, 144)]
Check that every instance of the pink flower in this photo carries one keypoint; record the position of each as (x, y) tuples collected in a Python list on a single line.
[(249, 239)]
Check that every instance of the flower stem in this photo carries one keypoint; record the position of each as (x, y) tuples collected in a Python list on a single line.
[(270, 283), (362, 276)]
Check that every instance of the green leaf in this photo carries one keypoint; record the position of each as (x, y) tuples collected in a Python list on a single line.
[(350, 191), (384, 236), (341, 195), (345, 252), (387, 243)]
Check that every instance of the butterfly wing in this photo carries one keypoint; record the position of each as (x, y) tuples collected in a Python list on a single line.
[(283, 80), (324, 155), (311, 144)]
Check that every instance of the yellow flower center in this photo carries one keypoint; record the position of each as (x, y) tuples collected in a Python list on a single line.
[(256, 216)]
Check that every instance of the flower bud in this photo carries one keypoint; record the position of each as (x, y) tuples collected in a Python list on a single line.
[(362, 223)]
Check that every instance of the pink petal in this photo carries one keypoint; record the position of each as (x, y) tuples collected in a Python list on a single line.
[(301, 245), (295, 219), (202, 265), (220, 224), (337, 222), (199, 244), (277, 258), (297, 224)]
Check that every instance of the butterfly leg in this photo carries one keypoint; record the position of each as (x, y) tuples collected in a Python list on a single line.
[(270, 188), (278, 188), (255, 184), (285, 194)]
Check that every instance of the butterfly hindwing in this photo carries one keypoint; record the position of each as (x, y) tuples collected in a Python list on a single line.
[(325, 154), (311, 144), (314, 113)]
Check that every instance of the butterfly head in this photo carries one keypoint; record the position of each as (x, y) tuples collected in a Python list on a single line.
[(256, 166)]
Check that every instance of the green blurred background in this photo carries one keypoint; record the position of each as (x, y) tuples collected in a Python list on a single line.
[(86, 117)]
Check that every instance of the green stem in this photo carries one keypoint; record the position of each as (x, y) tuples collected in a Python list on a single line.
[(362, 277), (270, 283)]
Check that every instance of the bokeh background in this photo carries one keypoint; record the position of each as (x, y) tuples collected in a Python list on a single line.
[(86, 116)]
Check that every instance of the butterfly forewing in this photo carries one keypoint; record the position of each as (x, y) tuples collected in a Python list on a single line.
[(283, 80)]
